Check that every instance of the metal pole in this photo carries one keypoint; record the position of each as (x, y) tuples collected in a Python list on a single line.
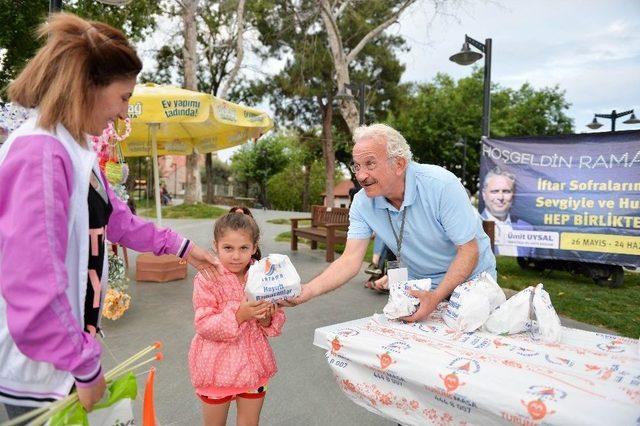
[(361, 94), (613, 120), (156, 174), (486, 107), (55, 6), (464, 162)]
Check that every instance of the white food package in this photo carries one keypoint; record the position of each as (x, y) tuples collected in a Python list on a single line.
[(272, 278), (401, 303), (471, 303), (513, 316), (548, 329)]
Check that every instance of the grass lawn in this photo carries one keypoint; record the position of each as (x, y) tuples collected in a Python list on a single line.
[(576, 297), (192, 211)]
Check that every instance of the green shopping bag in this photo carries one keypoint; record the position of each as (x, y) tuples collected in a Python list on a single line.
[(116, 410)]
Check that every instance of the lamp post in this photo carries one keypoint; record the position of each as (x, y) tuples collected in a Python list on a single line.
[(358, 90), (613, 117), (55, 6), (466, 56), (462, 143)]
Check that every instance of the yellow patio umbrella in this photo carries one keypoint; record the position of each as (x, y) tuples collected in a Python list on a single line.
[(167, 120)]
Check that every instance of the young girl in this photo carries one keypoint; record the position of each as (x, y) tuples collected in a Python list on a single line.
[(230, 358)]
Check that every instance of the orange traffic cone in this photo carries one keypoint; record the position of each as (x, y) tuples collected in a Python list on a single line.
[(148, 406)]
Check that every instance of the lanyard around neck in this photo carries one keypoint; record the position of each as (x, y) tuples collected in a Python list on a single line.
[(400, 237)]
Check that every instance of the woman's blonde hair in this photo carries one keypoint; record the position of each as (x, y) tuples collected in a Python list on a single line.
[(61, 80)]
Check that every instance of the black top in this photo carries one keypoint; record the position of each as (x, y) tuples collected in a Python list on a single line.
[(100, 209)]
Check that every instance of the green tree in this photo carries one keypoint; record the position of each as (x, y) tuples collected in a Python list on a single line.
[(434, 116), (285, 188), (19, 20), (302, 93), (255, 163)]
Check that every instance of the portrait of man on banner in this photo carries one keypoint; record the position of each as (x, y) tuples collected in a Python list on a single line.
[(498, 194)]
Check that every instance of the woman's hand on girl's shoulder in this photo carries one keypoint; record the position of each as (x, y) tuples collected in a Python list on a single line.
[(205, 262)]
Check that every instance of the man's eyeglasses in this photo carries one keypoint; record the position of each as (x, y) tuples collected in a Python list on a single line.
[(368, 165)]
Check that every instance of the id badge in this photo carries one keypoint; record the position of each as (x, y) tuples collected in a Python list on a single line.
[(396, 272)]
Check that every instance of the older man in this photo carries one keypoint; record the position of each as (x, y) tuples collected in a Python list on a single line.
[(420, 211), (498, 192)]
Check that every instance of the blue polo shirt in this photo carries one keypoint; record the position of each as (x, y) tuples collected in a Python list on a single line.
[(439, 217)]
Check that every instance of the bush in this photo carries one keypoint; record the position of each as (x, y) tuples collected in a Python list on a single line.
[(284, 190)]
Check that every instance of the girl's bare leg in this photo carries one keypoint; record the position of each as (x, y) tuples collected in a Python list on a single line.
[(249, 411), (215, 414)]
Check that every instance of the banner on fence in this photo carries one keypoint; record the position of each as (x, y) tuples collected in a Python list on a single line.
[(571, 197)]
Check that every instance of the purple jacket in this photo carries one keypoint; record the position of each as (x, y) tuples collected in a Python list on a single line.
[(42, 201)]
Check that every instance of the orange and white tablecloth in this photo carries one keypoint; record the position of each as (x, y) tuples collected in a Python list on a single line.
[(426, 373)]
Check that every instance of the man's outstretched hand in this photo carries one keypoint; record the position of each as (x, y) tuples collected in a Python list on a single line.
[(428, 304), (305, 294)]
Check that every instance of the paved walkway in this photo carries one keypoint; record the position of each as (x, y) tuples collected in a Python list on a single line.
[(302, 393)]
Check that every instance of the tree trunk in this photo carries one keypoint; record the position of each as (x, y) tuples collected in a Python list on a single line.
[(305, 187), (210, 185), (341, 59), (328, 151), (193, 193)]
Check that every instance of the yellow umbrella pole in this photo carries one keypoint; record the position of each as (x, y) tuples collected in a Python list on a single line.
[(156, 174)]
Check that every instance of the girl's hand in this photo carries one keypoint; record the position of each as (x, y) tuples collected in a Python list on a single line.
[(266, 321), (251, 310)]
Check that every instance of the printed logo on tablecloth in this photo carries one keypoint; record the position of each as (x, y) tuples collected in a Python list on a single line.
[(451, 382), (385, 360), (335, 345), (559, 360), (464, 366), (537, 408), (427, 328), (347, 332), (398, 346), (615, 373), (614, 346), (520, 350)]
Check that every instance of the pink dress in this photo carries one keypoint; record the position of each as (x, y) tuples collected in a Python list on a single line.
[(223, 354)]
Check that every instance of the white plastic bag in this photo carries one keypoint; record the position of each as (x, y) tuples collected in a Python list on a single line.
[(401, 303), (272, 278), (471, 303), (494, 292), (513, 316), (548, 327)]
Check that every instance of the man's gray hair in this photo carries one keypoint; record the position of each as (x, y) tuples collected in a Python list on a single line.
[(497, 171), (397, 145)]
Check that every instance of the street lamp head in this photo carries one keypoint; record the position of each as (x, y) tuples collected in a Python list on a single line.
[(465, 56), (460, 144), (594, 124), (632, 120)]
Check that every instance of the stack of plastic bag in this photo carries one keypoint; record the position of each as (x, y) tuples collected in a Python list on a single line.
[(516, 316), (273, 278), (472, 302), (401, 303)]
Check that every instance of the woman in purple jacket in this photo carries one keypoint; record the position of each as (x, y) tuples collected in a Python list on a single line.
[(57, 210)]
